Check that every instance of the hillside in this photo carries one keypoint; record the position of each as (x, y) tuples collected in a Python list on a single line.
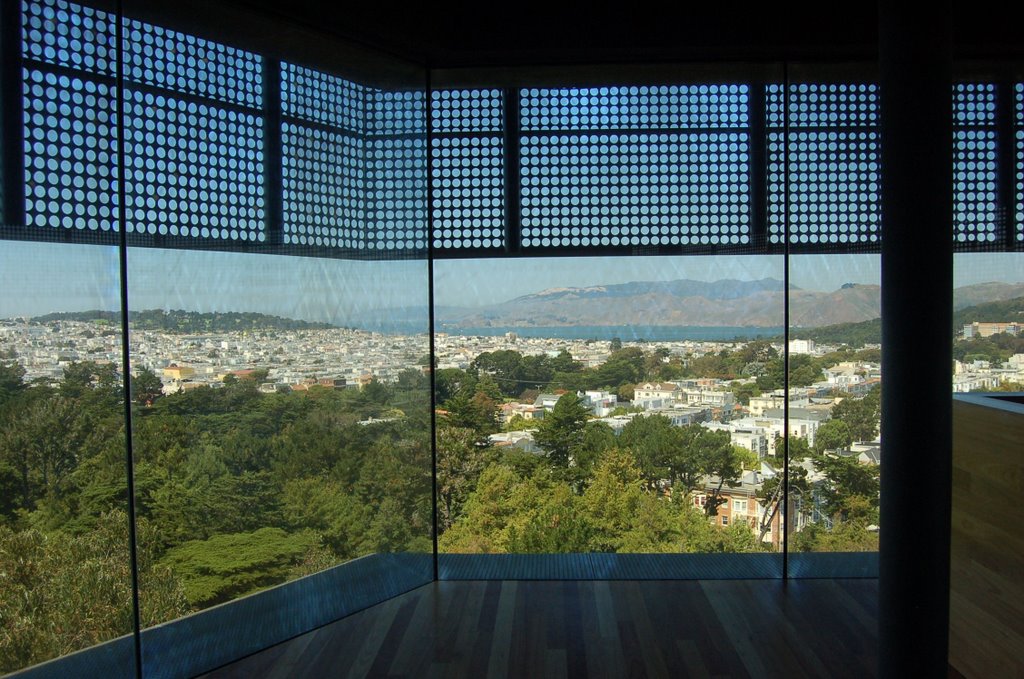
[(992, 312), (855, 335), (674, 303), (187, 322)]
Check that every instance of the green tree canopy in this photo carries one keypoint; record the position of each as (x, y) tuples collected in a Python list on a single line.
[(560, 433)]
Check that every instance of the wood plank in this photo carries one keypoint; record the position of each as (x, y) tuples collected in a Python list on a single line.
[(498, 662), (733, 620), (693, 664), (620, 628), (987, 542)]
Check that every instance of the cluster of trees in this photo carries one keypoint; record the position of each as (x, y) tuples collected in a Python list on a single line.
[(996, 349), (590, 491), (854, 335), (188, 322), (235, 491)]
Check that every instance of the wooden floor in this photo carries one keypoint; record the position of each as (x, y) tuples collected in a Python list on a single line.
[(706, 628)]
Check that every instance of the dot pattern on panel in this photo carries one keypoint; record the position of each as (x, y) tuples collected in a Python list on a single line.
[(823, 105), (1019, 174), (469, 199), (70, 149), (466, 111), (833, 185), (397, 192), (974, 185), (640, 108), (68, 34), (974, 104), (635, 189), (192, 169), (322, 98), (184, 63), (323, 190), (397, 112)]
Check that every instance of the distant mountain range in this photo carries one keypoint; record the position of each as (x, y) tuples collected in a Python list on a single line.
[(696, 303)]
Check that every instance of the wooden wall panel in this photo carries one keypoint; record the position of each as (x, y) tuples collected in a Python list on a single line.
[(987, 544)]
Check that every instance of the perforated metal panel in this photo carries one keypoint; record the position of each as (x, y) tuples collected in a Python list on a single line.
[(396, 112), (468, 192), (468, 169), (193, 169), (823, 105), (70, 153), (833, 180), (675, 170), (397, 193), (975, 162), (658, 107), (323, 187), (466, 111), (637, 189), (1018, 123), (321, 98), (187, 64), (67, 34), (323, 155)]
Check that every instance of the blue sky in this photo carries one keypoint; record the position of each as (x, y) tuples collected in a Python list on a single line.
[(39, 278)]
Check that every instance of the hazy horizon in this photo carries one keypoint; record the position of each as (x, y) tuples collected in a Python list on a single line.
[(331, 290)]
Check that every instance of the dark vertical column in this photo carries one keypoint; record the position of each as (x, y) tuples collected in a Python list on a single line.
[(512, 179), (12, 124), (1006, 146), (917, 289), (758, 168), (273, 164)]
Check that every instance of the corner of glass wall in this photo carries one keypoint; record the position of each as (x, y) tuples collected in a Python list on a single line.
[(65, 552), (275, 258), (279, 311), (592, 390)]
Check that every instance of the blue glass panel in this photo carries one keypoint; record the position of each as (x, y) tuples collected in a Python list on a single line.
[(192, 169), (639, 107), (70, 150), (635, 189)]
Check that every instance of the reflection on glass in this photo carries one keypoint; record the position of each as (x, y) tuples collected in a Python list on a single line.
[(282, 418), (602, 405), (65, 581), (835, 386), (988, 322)]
